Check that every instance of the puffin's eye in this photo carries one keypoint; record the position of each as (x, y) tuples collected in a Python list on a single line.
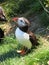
[(21, 20)]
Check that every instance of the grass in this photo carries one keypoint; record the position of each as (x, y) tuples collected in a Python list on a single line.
[(16, 8), (8, 55), (38, 56)]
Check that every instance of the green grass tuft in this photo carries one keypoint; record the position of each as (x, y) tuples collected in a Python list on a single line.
[(38, 56)]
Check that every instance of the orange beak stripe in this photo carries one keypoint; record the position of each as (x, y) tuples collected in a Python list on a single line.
[(15, 19)]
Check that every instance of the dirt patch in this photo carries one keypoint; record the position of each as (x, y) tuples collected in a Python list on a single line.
[(6, 27)]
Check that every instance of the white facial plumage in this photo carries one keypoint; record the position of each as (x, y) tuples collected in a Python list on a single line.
[(21, 22)]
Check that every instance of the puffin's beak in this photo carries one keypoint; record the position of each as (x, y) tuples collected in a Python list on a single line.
[(15, 19)]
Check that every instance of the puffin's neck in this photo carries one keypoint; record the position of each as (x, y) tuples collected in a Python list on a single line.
[(24, 29)]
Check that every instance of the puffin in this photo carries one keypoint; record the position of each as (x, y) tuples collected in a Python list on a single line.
[(2, 15), (1, 35), (24, 36)]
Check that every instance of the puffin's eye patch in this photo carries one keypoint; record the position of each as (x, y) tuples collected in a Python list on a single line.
[(21, 20)]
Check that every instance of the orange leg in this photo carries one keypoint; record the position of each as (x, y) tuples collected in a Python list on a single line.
[(22, 52)]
